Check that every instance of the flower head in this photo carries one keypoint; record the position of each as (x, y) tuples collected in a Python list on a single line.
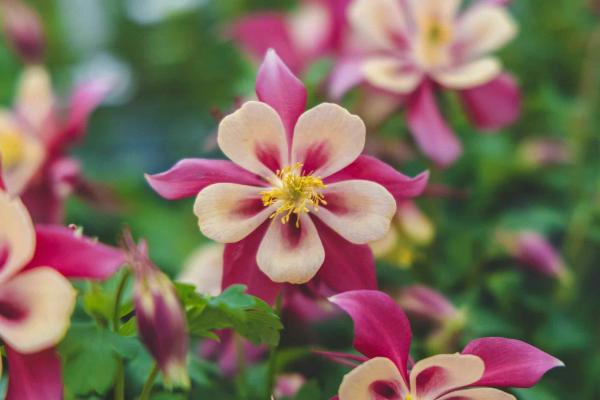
[(411, 47), (298, 198), (382, 333), (24, 30)]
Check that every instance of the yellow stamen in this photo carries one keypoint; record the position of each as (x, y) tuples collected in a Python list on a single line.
[(408, 397), (294, 193), (12, 148)]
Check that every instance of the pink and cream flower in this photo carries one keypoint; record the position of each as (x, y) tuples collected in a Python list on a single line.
[(382, 334), (410, 47), (34, 139), (36, 299), (298, 199)]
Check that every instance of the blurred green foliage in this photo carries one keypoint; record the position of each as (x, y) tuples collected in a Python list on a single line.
[(177, 69)]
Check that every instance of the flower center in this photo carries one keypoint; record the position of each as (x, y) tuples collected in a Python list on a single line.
[(12, 148), (436, 34), (294, 192)]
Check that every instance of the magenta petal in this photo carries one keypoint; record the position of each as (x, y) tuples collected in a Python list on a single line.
[(85, 99), (73, 255), (381, 329), (240, 267), (35, 376), (369, 168), (510, 362), (494, 105), (346, 74), (279, 88), (189, 176), (2, 185), (347, 266), (429, 128), (259, 32)]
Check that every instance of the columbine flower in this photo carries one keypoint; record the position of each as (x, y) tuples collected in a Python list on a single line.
[(316, 29), (382, 333), (298, 199), (23, 28), (410, 47), (36, 300), (160, 318), (34, 137)]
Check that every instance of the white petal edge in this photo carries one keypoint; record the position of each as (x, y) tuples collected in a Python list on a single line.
[(204, 269), (390, 74), (467, 76), (356, 384), (16, 232), (479, 394)]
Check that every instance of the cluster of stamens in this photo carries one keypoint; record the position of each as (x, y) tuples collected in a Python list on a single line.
[(294, 193), (11, 148)]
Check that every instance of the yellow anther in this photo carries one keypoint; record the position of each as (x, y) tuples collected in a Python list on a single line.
[(12, 148), (294, 193)]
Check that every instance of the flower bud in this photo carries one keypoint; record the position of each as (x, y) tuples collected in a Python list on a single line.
[(414, 223), (23, 29), (427, 304), (161, 320), (544, 152), (288, 385)]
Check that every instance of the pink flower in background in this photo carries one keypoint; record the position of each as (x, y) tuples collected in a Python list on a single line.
[(316, 29), (34, 139), (36, 299), (410, 48), (382, 333), (299, 199), (23, 29)]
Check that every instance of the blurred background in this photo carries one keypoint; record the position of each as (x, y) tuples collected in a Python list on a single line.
[(178, 73)]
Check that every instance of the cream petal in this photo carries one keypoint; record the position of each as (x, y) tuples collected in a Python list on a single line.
[(470, 75), (17, 236), (485, 28), (358, 383), (377, 21), (22, 154), (204, 269), (439, 374), (327, 138), (34, 97), (444, 11), (254, 138), (35, 309), (359, 211), (478, 394), (228, 212), (391, 74), (291, 254)]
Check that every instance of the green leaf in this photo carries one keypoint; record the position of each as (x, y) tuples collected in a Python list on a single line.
[(90, 355), (309, 391)]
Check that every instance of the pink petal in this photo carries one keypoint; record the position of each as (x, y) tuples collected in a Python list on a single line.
[(85, 99), (189, 176), (510, 362), (429, 128), (494, 105), (369, 168), (240, 266), (34, 376), (277, 86), (346, 74), (259, 32), (342, 258), (74, 256), (381, 329), (2, 185)]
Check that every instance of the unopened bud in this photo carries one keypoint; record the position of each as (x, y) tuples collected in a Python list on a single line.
[(544, 152), (161, 320), (23, 29), (428, 304), (414, 223)]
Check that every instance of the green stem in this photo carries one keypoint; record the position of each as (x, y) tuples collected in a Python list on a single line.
[(272, 367), (147, 389), (118, 296), (119, 393)]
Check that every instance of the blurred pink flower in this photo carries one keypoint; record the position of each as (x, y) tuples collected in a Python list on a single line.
[(34, 139), (161, 320), (23, 29), (36, 299), (288, 385), (544, 152), (534, 251), (299, 199), (314, 30), (382, 333), (427, 303), (410, 48)]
